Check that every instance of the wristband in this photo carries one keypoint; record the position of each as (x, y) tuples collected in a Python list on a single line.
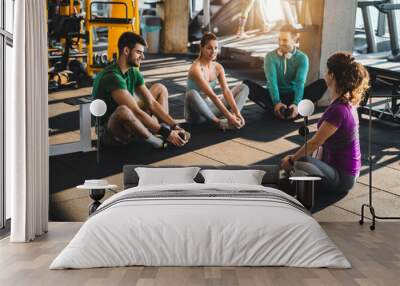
[(165, 130)]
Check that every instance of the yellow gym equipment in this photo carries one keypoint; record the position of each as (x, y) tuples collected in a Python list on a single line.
[(81, 45), (70, 8), (105, 21)]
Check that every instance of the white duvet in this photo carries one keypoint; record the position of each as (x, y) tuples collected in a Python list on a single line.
[(188, 231)]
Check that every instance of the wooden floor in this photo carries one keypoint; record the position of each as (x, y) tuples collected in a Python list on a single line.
[(374, 255)]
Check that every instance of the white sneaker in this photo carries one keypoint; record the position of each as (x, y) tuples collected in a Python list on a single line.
[(224, 124)]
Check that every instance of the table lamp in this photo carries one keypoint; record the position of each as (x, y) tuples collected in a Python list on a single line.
[(305, 108), (98, 108)]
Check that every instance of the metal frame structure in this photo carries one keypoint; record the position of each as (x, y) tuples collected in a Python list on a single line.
[(365, 6), (369, 205), (382, 68), (388, 73), (390, 9), (387, 9)]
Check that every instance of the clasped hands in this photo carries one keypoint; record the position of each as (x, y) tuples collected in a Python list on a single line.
[(281, 106), (178, 136), (236, 120)]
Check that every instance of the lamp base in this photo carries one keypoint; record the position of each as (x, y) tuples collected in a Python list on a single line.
[(96, 195), (305, 191)]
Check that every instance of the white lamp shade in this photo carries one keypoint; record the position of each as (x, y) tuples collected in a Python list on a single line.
[(305, 107), (98, 108)]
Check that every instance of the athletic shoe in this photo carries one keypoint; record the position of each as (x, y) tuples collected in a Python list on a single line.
[(164, 145), (224, 124)]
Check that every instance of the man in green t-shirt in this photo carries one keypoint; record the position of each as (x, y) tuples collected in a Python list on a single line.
[(133, 110), (286, 70)]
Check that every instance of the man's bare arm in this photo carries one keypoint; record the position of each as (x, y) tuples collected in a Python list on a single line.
[(123, 97)]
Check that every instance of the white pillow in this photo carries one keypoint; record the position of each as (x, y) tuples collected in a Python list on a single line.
[(165, 176), (248, 177)]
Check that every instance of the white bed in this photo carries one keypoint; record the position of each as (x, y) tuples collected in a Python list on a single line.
[(203, 225)]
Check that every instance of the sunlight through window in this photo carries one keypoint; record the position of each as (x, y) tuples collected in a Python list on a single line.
[(272, 10)]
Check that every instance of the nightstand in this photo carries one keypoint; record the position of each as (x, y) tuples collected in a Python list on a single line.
[(97, 190), (305, 190)]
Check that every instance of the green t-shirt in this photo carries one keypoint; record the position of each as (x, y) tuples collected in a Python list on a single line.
[(110, 79), (292, 81)]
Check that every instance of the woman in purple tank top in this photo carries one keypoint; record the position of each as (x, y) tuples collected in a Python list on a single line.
[(337, 131)]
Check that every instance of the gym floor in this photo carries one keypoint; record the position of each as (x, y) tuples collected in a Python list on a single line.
[(264, 140)]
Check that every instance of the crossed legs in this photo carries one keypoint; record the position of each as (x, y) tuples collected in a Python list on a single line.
[(123, 125), (199, 110), (334, 185), (262, 97)]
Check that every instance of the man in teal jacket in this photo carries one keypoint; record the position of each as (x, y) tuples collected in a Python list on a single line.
[(286, 70)]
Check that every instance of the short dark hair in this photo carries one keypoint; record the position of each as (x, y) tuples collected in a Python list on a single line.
[(130, 39), (289, 28)]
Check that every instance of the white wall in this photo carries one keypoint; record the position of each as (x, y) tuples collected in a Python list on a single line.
[(337, 28)]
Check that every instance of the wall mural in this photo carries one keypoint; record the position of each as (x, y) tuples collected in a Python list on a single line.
[(241, 95)]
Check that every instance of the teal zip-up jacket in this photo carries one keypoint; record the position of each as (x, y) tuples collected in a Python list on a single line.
[(292, 81)]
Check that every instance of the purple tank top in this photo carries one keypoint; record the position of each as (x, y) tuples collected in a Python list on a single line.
[(342, 149)]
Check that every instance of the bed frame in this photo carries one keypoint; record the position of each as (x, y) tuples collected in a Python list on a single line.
[(270, 179)]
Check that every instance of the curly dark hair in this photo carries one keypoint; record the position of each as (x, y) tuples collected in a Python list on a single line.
[(352, 78)]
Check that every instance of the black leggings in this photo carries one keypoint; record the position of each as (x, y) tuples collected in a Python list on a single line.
[(262, 97)]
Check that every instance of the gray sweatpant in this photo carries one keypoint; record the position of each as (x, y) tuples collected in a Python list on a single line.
[(199, 109), (332, 179)]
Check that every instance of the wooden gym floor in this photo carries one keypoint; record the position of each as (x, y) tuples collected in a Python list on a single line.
[(374, 255)]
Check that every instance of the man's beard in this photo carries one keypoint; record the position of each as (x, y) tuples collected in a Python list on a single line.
[(132, 63), (284, 49)]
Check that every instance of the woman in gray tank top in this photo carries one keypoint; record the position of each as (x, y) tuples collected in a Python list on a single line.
[(202, 103)]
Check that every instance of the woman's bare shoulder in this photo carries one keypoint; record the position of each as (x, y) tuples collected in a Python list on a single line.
[(194, 68), (219, 68)]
